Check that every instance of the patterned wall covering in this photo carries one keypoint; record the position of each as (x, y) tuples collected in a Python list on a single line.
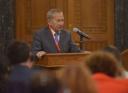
[(121, 21), (125, 24), (6, 23)]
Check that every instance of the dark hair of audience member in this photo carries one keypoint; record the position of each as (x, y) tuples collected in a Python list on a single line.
[(103, 62), (114, 50), (45, 82), (4, 71), (117, 54), (18, 52)]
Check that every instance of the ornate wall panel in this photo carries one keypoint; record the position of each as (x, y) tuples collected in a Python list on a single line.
[(31, 16), (96, 18)]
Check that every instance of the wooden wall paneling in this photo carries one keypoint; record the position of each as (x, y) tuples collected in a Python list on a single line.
[(95, 45), (38, 13), (20, 18), (72, 18), (30, 16), (70, 13), (23, 20), (110, 21), (96, 18), (63, 5), (52, 3)]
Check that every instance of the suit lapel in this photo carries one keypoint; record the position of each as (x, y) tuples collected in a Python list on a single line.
[(61, 41), (50, 40)]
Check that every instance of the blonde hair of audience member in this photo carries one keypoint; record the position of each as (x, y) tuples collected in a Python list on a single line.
[(103, 62), (77, 79), (45, 82)]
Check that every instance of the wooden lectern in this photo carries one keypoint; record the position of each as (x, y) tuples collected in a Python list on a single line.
[(61, 59)]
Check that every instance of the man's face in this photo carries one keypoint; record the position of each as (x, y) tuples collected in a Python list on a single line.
[(57, 23)]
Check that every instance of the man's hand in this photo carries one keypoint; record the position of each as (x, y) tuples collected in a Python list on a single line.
[(40, 54), (87, 52)]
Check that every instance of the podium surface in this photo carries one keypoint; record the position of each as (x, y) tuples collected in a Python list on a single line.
[(61, 59)]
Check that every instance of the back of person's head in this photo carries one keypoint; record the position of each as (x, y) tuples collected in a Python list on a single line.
[(52, 12), (45, 82), (18, 52), (114, 50), (77, 79), (103, 62)]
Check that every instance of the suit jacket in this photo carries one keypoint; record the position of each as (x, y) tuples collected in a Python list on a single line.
[(43, 41), (19, 79)]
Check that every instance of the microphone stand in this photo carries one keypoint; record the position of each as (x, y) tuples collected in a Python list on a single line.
[(81, 43)]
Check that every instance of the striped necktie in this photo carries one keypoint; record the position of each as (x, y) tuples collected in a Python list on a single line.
[(56, 38)]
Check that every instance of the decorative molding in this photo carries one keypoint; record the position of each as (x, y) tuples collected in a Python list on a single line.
[(28, 17), (52, 3), (94, 29), (77, 13), (101, 17)]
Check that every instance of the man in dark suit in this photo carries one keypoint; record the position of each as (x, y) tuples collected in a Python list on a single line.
[(54, 38)]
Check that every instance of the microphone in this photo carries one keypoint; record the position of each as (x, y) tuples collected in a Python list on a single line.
[(81, 33)]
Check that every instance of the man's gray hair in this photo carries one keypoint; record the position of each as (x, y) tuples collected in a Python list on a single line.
[(51, 13)]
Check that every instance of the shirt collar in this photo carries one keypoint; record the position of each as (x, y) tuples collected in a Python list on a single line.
[(53, 32)]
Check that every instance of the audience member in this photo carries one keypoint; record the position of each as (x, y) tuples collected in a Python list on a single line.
[(20, 59), (103, 62), (45, 82), (115, 51), (105, 70), (77, 79)]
